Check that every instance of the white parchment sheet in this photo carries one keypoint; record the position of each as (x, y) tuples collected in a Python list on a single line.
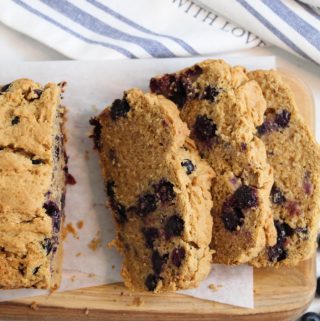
[(92, 86)]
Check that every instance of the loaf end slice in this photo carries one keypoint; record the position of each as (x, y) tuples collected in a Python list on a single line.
[(32, 184)]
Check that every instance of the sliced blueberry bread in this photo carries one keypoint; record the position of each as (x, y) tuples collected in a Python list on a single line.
[(32, 184), (158, 190), (222, 108), (295, 157)]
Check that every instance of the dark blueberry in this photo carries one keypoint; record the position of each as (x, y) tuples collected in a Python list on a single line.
[(37, 161), (277, 253), (152, 282), (110, 188), (63, 200), (15, 120), (277, 196), (310, 316), (119, 108), (301, 230), (188, 165), (38, 92), (204, 128), (150, 235), (96, 132), (267, 127), (70, 180), (120, 212), (51, 208), (47, 245), (35, 270), (245, 197), (318, 287), (174, 226), (177, 256), (146, 204), (282, 118), (158, 261), (164, 191), (112, 155), (232, 217), (243, 147), (21, 269), (210, 93), (318, 241), (57, 147), (56, 224), (5, 88)]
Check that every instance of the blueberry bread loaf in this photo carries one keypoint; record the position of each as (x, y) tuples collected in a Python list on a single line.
[(159, 192), (32, 184), (222, 108), (295, 158)]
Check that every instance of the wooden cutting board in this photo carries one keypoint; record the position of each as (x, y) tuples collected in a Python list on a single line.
[(279, 294)]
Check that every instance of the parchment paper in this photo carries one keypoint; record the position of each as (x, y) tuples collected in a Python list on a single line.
[(92, 86)]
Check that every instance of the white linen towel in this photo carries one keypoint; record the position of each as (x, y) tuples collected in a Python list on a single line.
[(115, 29)]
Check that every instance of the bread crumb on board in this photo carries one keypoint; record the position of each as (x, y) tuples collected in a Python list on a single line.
[(86, 311), (137, 301), (214, 287), (34, 306)]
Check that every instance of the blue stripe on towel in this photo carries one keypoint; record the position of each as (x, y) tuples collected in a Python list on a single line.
[(274, 30), (154, 48), (133, 24), (66, 29), (301, 26)]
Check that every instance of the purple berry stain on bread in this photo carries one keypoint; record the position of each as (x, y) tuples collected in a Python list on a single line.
[(278, 252), (152, 282), (204, 128), (232, 215), (178, 255), (119, 211), (177, 87), (96, 132), (158, 261), (277, 196), (188, 166), (174, 226), (146, 204), (274, 121), (307, 185), (150, 234), (164, 191), (119, 108), (47, 245), (15, 120), (293, 208)]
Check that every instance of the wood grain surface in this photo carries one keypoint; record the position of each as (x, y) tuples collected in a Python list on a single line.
[(280, 294)]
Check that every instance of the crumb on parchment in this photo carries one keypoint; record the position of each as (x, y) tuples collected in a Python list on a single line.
[(34, 306), (69, 229), (95, 243), (78, 254), (91, 275), (214, 287)]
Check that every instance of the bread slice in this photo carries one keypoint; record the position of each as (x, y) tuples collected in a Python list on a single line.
[(159, 192)]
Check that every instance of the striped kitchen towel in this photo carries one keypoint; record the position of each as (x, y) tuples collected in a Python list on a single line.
[(115, 29)]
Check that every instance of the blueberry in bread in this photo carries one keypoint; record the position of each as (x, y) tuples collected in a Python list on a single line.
[(32, 184), (159, 192)]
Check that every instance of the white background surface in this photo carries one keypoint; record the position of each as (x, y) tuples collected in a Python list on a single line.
[(17, 47)]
